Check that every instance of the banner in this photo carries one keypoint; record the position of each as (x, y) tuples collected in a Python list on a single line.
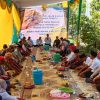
[(37, 22)]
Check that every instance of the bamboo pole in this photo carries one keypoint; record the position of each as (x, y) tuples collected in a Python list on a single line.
[(78, 24), (68, 19)]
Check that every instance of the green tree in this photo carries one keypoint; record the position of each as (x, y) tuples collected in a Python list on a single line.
[(89, 27)]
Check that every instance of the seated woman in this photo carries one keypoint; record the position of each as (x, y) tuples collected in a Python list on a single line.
[(12, 64), (56, 42), (39, 42), (95, 63), (3, 93), (79, 62)]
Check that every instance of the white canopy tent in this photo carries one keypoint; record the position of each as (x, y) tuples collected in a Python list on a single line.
[(28, 3)]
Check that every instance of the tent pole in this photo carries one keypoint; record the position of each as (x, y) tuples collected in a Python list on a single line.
[(68, 10), (78, 24)]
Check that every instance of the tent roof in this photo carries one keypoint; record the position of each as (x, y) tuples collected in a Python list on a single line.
[(27, 3)]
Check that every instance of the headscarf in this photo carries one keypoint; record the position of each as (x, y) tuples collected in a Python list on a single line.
[(3, 86)]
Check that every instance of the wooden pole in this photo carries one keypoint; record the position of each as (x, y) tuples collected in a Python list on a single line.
[(78, 24), (68, 19)]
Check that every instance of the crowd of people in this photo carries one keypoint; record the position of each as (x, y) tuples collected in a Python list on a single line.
[(87, 66), (10, 65)]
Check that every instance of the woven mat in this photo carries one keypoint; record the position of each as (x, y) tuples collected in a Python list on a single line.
[(51, 80)]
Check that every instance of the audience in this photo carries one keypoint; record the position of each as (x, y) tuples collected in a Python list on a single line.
[(94, 64), (12, 56)]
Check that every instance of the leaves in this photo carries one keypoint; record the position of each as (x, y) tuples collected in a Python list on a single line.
[(89, 27)]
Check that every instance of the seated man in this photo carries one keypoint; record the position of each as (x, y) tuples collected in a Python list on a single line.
[(30, 42), (95, 63), (47, 40), (85, 65), (17, 53), (56, 42), (74, 56), (39, 42), (79, 62), (23, 49)]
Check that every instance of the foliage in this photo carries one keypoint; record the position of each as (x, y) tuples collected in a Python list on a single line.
[(89, 27)]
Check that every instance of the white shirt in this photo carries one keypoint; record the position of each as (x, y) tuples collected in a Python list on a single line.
[(71, 56), (47, 41), (88, 61), (95, 64), (39, 42), (6, 96)]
